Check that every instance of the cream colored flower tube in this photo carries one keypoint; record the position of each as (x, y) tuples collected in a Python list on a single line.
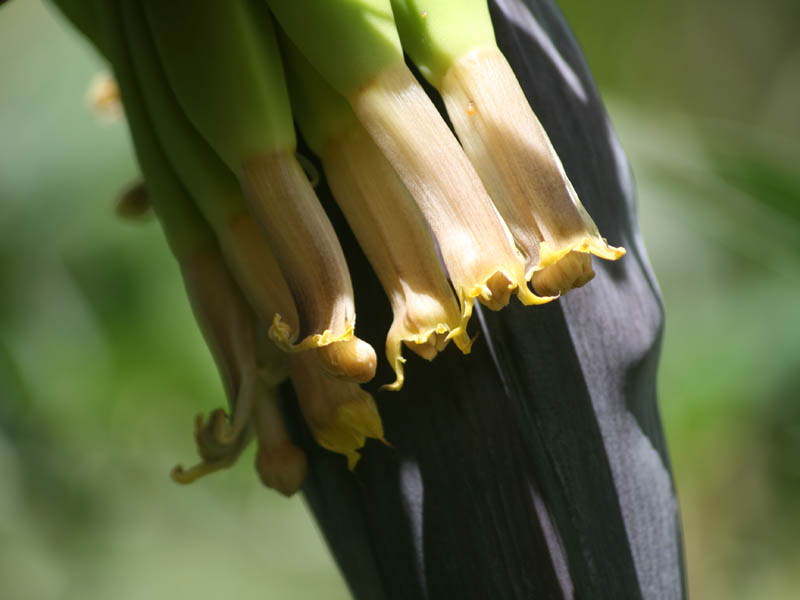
[(354, 46), (476, 245), (453, 45), (522, 172), (395, 238), (383, 216)]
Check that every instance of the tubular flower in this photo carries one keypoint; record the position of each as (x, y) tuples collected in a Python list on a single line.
[(388, 225), (204, 92), (222, 61), (454, 47), (213, 187), (476, 246), (250, 374)]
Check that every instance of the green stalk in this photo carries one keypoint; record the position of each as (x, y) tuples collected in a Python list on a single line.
[(437, 33), (185, 230), (349, 42), (321, 113), (213, 187), (223, 63), (228, 80)]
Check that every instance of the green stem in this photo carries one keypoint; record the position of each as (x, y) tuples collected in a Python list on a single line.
[(184, 227), (320, 112), (227, 75), (348, 41), (212, 184), (436, 33)]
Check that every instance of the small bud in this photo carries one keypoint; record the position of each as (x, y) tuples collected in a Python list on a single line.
[(340, 415), (280, 464), (133, 203), (251, 367)]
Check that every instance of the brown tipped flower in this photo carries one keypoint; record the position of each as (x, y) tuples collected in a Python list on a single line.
[(519, 167), (280, 464), (393, 234), (251, 369), (340, 415), (308, 252), (476, 246)]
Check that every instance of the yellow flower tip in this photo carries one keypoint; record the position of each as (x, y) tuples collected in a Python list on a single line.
[(359, 351), (395, 356), (570, 266), (346, 428), (497, 291), (603, 250), (462, 340), (427, 345), (362, 416), (351, 360), (528, 298), (398, 383), (281, 333), (339, 414), (283, 467), (572, 271)]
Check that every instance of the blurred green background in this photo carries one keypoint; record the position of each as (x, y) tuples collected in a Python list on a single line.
[(102, 368)]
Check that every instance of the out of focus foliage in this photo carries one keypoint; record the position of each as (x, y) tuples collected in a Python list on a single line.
[(102, 369)]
